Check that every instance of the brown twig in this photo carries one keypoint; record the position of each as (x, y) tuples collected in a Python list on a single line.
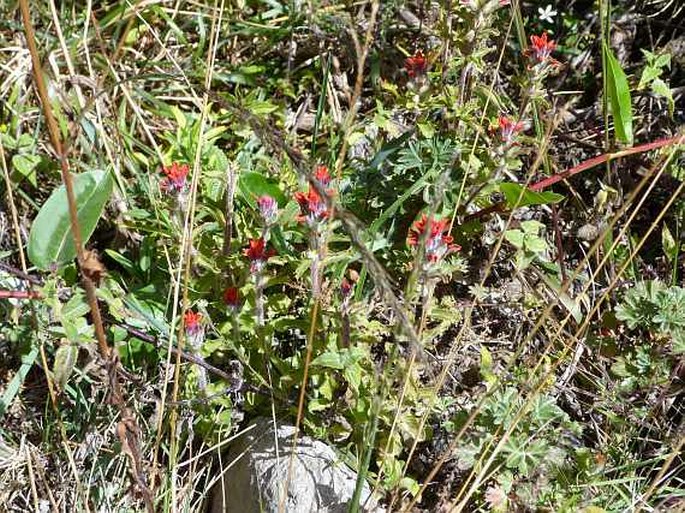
[(35, 280)]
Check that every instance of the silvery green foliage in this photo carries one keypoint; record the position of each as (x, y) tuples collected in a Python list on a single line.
[(651, 305)]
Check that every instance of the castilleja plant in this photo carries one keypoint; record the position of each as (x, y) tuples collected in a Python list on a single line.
[(174, 184), (437, 243), (314, 212), (258, 255), (195, 336)]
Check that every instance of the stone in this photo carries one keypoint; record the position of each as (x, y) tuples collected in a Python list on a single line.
[(319, 480)]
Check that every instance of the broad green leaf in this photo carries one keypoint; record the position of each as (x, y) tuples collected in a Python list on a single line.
[(618, 92), (65, 361), (26, 166), (532, 226), (649, 74), (513, 191), (330, 360), (253, 185), (51, 241), (515, 237)]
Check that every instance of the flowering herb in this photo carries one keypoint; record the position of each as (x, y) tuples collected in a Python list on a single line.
[(416, 65), (542, 48), (508, 128), (345, 287), (322, 175), (192, 322), (438, 244), (312, 206), (231, 297), (175, 178), (268, 208), (547, 14), (258, 254)]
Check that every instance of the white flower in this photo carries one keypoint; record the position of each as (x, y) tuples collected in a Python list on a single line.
[(547, 14)]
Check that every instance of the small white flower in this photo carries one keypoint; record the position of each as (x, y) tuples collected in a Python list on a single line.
[(547, 14)]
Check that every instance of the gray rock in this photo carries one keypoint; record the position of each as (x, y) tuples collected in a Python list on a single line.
[(319, 480)]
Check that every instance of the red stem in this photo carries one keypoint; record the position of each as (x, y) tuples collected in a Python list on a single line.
[(20, 294)]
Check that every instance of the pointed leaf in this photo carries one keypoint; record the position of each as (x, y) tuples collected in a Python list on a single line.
[(618, 92), (65, 361), (519, 196)]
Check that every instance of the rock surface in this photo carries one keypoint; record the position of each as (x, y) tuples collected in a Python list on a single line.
[(319, 481)]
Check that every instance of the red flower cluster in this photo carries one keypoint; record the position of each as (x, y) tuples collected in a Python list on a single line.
[(508, 128), (438, 244), (416, 65), (231, 297), (258, 254), (191, 321), (322, 175), (312, 206), (542, 48), (175, 179)]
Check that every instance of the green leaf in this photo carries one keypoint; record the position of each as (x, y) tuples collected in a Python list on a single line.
[(513, 191), (65, 361), (669, 244), (253, 185), (515, 237), (330, 360), (50, 240), (660, 88), (619, 97), (26, 166), (14, 387)]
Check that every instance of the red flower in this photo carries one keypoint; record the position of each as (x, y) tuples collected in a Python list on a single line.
[(258, 254), (191, 321), (175, 179), (437, 243), (542, 48), (231, 297), (416, 65), (509, 128), (312, 206), (345, 287), (321, 174)]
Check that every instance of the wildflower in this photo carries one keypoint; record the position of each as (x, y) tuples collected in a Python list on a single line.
[(542, 48), (547, 14), (194, 331), (258, 254), (192, 322), (322, 175), (345, 287), (312, 206), (508, 128), (231, 298), (268, 208), (416, 65), (438, 244), (175, 179)]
